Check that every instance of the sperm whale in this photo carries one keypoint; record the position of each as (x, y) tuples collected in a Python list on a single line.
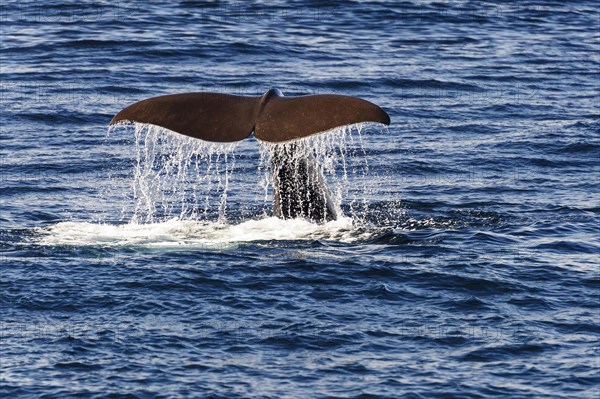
[(299, 186)]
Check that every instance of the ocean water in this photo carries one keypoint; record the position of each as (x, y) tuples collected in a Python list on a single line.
[(135, 263)]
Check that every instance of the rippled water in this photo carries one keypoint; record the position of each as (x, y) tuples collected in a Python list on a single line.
[(467, 265)]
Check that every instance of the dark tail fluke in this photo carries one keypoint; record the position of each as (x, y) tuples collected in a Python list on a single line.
[(271, 117), (206, 116)]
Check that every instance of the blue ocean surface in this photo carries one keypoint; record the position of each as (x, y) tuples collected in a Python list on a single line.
[(136, 263)]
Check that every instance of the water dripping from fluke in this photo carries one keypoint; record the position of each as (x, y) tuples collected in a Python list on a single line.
[(176, 176)]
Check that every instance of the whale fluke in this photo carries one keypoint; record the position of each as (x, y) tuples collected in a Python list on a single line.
[(271, 117), (300, 188)]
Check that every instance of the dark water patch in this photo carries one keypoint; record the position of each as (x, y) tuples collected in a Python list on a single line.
[(94, 43), (527, 111), (430, 84), (391, 238), (153, 285), (386, 292), (568, 247), (495, 239), (506, 352), (547, 229), (475, 128), (76, 46), (383, 272), (43, 216), (473, 285), (500, 77), (581, 147), (531, 302), (469, 304), (52, 117), (77, 366), (578, 331)]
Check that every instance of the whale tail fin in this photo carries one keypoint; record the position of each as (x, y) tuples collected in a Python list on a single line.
[(271, 117)]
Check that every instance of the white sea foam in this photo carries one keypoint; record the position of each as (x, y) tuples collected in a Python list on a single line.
[(187, 233)]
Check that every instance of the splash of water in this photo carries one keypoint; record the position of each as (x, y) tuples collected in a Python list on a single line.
[(337, 157), (175, 176), (179, 176)]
